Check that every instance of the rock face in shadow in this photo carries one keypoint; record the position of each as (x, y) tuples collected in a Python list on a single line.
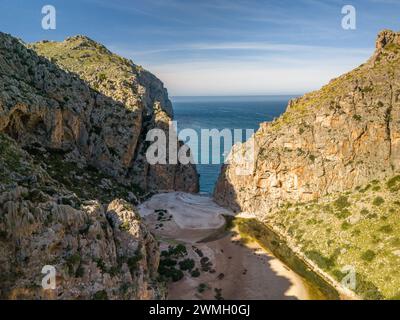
[(98, 251), (97, 109), (331, 140)]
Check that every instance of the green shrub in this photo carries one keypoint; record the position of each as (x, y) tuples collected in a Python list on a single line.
[(378, 201), (168, 262), (338, 275), (386, 229), (367, 187), (71, 262), (100, 295), (372, 216), (170, 273), (346, 225), (343, 214), (187, 264), (342, 203), (179, 250), (368, 255), (80, 272), (195, 273), (101, 265), (125, 226), (3, 235), (321, 261), (102, 77), (167, 269), (394, 184), (201, 288), (113, 271), (218, 294), (73, 259), (176, 275), (133, 261)]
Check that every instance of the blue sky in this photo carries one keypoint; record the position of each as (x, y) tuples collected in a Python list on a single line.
[(219, 47)]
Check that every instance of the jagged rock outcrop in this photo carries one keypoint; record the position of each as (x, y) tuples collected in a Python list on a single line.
[(98, 252), (334, 139), (97, 111)]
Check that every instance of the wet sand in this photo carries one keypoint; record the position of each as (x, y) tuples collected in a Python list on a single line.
[(238, 271)]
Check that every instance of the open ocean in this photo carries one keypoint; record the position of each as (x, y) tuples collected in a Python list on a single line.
[(236, 112)]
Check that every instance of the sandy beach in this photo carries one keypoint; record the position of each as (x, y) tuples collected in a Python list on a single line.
[(238, 271)]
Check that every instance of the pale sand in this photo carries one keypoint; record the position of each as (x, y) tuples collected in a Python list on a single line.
[(189, 211), (249, 272)]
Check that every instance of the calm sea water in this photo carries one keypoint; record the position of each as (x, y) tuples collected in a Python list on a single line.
[(245, 112)]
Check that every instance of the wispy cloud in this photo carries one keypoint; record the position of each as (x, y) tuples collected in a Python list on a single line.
[(243, 46), (239, 67)]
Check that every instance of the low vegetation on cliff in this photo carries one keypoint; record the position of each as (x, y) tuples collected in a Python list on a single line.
[(358, 229)]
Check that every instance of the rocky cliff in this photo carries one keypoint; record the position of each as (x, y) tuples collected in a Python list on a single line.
[(99, 250), (92, 105), (142, 95), (72, 166), (330, 140), (326, 176)]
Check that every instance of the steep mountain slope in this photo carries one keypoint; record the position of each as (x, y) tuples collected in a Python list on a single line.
[(139, 91), (72, 143), (41, 104), (325, 175)]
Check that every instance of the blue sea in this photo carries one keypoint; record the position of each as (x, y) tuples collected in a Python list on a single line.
[(236, 112)]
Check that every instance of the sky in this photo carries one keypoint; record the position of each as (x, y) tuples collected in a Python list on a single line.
[(219, 47)]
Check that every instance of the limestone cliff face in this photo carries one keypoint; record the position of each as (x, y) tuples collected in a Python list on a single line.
[(330, 140), (98, 251), (96, 110)]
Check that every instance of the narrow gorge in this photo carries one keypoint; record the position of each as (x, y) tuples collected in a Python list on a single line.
[(77, 193)]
